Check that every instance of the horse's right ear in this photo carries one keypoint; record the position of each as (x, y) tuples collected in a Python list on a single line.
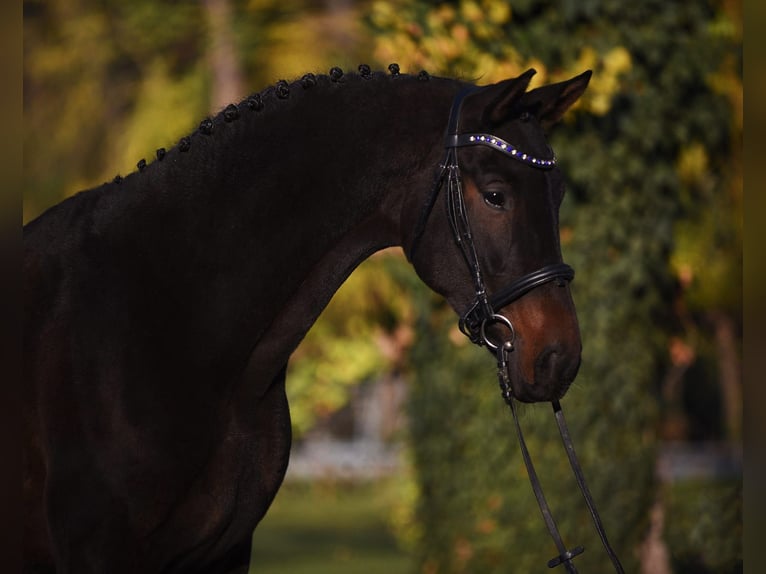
[(492, 104), (504, 95)]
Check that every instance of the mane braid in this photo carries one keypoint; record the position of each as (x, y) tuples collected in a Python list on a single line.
[(258, 102)]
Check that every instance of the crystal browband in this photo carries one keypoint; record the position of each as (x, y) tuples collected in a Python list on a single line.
[(503, 146)]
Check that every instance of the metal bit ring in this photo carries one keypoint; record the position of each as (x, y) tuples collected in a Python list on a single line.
[(497, 319)]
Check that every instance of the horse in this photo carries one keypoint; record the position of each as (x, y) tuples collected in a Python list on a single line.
[(161, 308)]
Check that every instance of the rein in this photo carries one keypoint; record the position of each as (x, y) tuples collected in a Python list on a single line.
[(482, 313), (565, 556)]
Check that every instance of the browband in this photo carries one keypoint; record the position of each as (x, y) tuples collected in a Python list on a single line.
[(501, 145), (454, 139)]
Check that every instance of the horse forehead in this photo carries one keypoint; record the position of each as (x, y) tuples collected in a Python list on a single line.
[(484, 161), (527, 135)]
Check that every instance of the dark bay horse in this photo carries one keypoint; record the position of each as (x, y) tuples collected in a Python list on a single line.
[(161, 308)]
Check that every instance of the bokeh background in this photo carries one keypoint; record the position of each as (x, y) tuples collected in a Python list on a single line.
[(405, 460)]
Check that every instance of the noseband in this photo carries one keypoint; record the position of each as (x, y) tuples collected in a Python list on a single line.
[(482, 313), (473, 323)]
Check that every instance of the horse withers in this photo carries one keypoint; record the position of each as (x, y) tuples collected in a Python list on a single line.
[(161, 308)]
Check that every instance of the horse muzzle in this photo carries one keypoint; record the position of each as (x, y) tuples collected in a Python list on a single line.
[(555, 368)]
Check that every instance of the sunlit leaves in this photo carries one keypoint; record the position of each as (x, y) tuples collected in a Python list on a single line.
[(606, 82), (473, 39), (364, 332), (463, 39)]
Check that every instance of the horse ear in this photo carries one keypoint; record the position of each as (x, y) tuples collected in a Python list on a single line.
[(549, 103), (498, 100)]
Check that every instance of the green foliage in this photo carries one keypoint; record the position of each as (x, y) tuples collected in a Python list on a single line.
[(361, 334), (704, 526)]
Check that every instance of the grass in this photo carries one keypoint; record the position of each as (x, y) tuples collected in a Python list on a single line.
[(323, 528)]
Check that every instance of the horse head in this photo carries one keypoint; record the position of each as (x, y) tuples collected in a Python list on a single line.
[(496, 256)]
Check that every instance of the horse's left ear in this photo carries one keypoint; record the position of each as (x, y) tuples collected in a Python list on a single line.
[(549, 103)]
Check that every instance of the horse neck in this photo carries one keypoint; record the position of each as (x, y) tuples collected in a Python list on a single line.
[(292, 196)]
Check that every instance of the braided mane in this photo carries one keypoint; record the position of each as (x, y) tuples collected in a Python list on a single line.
[(268, 100)]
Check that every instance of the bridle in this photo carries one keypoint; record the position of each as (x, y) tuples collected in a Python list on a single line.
[(482, 313), (473, 323)]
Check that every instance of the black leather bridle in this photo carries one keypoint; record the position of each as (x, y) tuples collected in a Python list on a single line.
[(482, 313)]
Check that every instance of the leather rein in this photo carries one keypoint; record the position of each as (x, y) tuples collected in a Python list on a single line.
[(482, 313)]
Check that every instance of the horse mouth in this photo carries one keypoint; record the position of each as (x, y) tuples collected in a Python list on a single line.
[(536, 393), (553, 374)]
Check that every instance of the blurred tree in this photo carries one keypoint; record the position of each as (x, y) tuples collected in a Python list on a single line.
[(227, 83), (651, 224)]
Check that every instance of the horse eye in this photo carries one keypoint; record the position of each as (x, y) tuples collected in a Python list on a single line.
[(495, 199)]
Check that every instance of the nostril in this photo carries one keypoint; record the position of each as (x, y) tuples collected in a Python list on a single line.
[(556, 367), (545, 365)]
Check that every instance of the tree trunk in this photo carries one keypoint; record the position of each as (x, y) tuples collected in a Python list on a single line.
[(654, 552), (227, 84), (729, 373)]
